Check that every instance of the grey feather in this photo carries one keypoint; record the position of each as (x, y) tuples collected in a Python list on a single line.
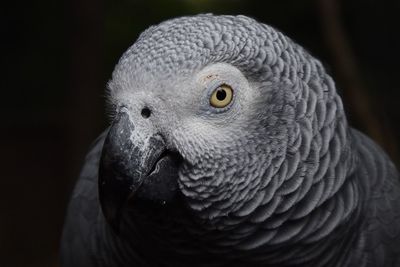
[(278, 178)]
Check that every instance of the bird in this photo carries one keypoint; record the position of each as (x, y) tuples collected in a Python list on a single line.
[(228, 145)]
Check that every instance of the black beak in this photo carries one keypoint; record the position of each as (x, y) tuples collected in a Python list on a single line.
[(126, 160)]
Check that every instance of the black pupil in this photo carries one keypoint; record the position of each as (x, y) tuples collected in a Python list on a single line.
[(221, 94)]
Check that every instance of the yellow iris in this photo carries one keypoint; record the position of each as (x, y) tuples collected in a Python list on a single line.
[(222, 96)]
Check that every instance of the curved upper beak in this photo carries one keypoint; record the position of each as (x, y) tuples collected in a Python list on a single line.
[(127, 158)]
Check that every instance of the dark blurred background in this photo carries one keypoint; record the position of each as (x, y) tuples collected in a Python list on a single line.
[(58, 55)]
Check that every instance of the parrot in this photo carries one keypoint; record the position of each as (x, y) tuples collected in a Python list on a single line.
[(228, 145)]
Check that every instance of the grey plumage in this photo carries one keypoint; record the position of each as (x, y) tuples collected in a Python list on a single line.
[(277, 178)]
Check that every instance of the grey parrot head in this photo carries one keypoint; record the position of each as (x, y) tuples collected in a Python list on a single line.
[(226, 112)]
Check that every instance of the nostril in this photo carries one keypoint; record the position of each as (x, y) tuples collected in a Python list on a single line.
[(146, 112)]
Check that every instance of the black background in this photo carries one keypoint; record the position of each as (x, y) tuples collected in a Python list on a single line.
[(58, 55)]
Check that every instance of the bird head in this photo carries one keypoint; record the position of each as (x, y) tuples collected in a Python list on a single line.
[(227, 113)]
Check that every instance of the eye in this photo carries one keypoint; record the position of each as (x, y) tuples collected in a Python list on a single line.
[(222, 96)]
